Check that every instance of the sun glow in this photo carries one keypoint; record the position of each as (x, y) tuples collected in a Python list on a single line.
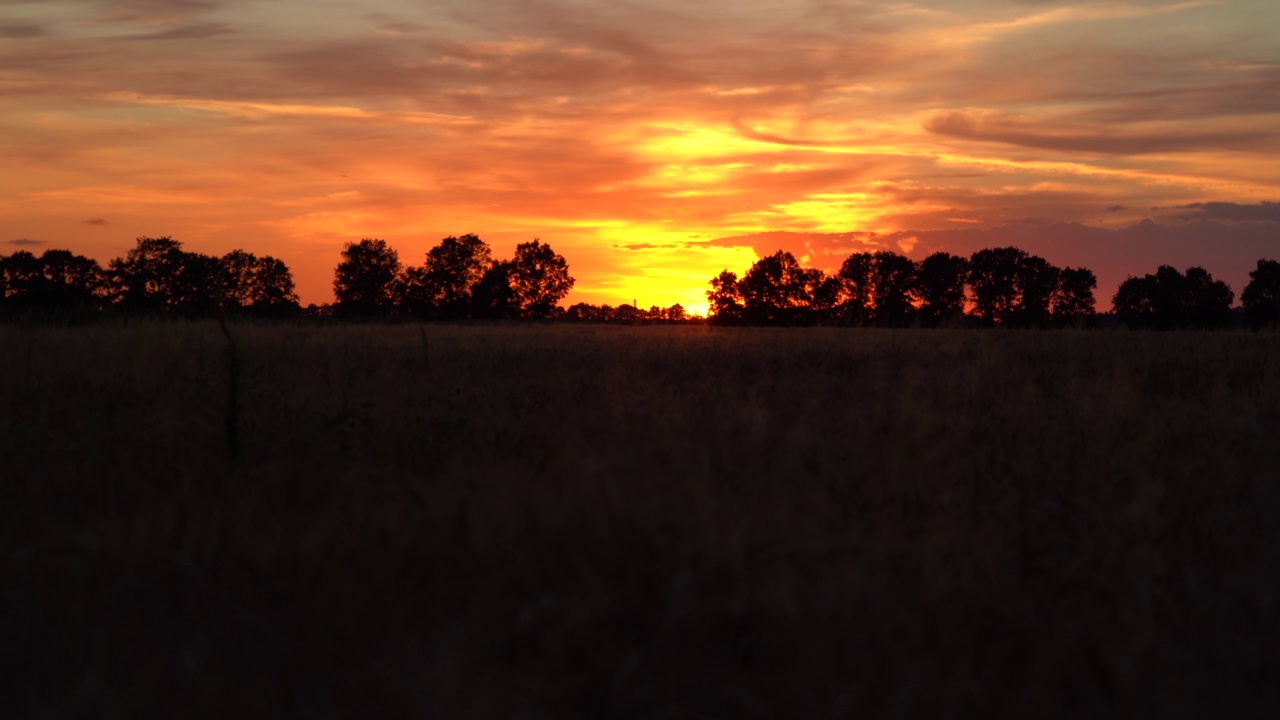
[(660, 265)]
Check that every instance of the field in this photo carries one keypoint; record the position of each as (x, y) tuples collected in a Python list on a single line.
[(637, 522)]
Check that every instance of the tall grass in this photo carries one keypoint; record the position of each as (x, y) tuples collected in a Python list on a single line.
[(605, 521)]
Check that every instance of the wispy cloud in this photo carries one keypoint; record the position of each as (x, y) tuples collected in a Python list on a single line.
[(22, 30)]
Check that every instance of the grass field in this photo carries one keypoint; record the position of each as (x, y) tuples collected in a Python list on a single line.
[(638, 522)]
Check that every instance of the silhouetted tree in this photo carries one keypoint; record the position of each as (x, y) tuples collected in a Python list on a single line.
[(21, 279), (1134, 302), (493, 297), (825, 296), (1261, 297), (992, 278), (442, 287), (625, 313), (878, 288), (1011, 287), (1170, 299), (776, 290), (157, 275), (539, 279), (365, 279), (1073, 300), (857, 277), (1208, 300), (199, 288), (1037, 282), (259, 284), (142, 281), (724, 299), (938, 286), (70, 280), (675, 313)]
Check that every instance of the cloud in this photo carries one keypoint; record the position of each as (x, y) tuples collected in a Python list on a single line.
[(24, 242), (153, 11), (199, 31), (22, 30), (96, 221), (1225, 212), (1048, 135)]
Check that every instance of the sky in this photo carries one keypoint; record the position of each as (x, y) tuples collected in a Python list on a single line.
[(653, 143)]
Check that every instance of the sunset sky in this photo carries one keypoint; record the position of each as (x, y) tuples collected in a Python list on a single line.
[(652, 143)]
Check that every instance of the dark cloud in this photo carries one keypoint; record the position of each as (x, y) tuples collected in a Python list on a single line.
[(24, 242), (151, 9), (992, 127), (1265, 212), (95, 221), (200, 31), (775, 139), (22, 30)]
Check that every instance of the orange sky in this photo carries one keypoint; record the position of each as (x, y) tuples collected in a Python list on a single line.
[(635, 137)]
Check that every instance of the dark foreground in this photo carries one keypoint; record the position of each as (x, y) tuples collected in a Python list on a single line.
[(638, 522)]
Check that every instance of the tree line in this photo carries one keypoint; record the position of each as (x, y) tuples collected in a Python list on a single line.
[(997, 286), (157, 276), (459, 279)]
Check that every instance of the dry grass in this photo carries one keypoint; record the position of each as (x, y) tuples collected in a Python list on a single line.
[(638, 522)]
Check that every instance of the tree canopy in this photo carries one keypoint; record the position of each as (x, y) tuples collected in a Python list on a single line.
[(1170, 299), (1001, 286), (1261, 297), (365, 281)]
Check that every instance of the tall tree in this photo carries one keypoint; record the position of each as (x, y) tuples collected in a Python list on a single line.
[(157, 275), (776, 290), (199, 288), (258, 284), (21, 280), (1261, 297), (938, 286), (1170, 299), (1037, 282), (494, 297), (1011, 287), (1208, 300), (892, 295), (142, 281), (857, 275), (992, 278), (1134, 301), (878, 288), (825, 292), (364, 281), (70, 280), (442, 287), (539, 279), (274, 287), (1073, 300), (724, 299)]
